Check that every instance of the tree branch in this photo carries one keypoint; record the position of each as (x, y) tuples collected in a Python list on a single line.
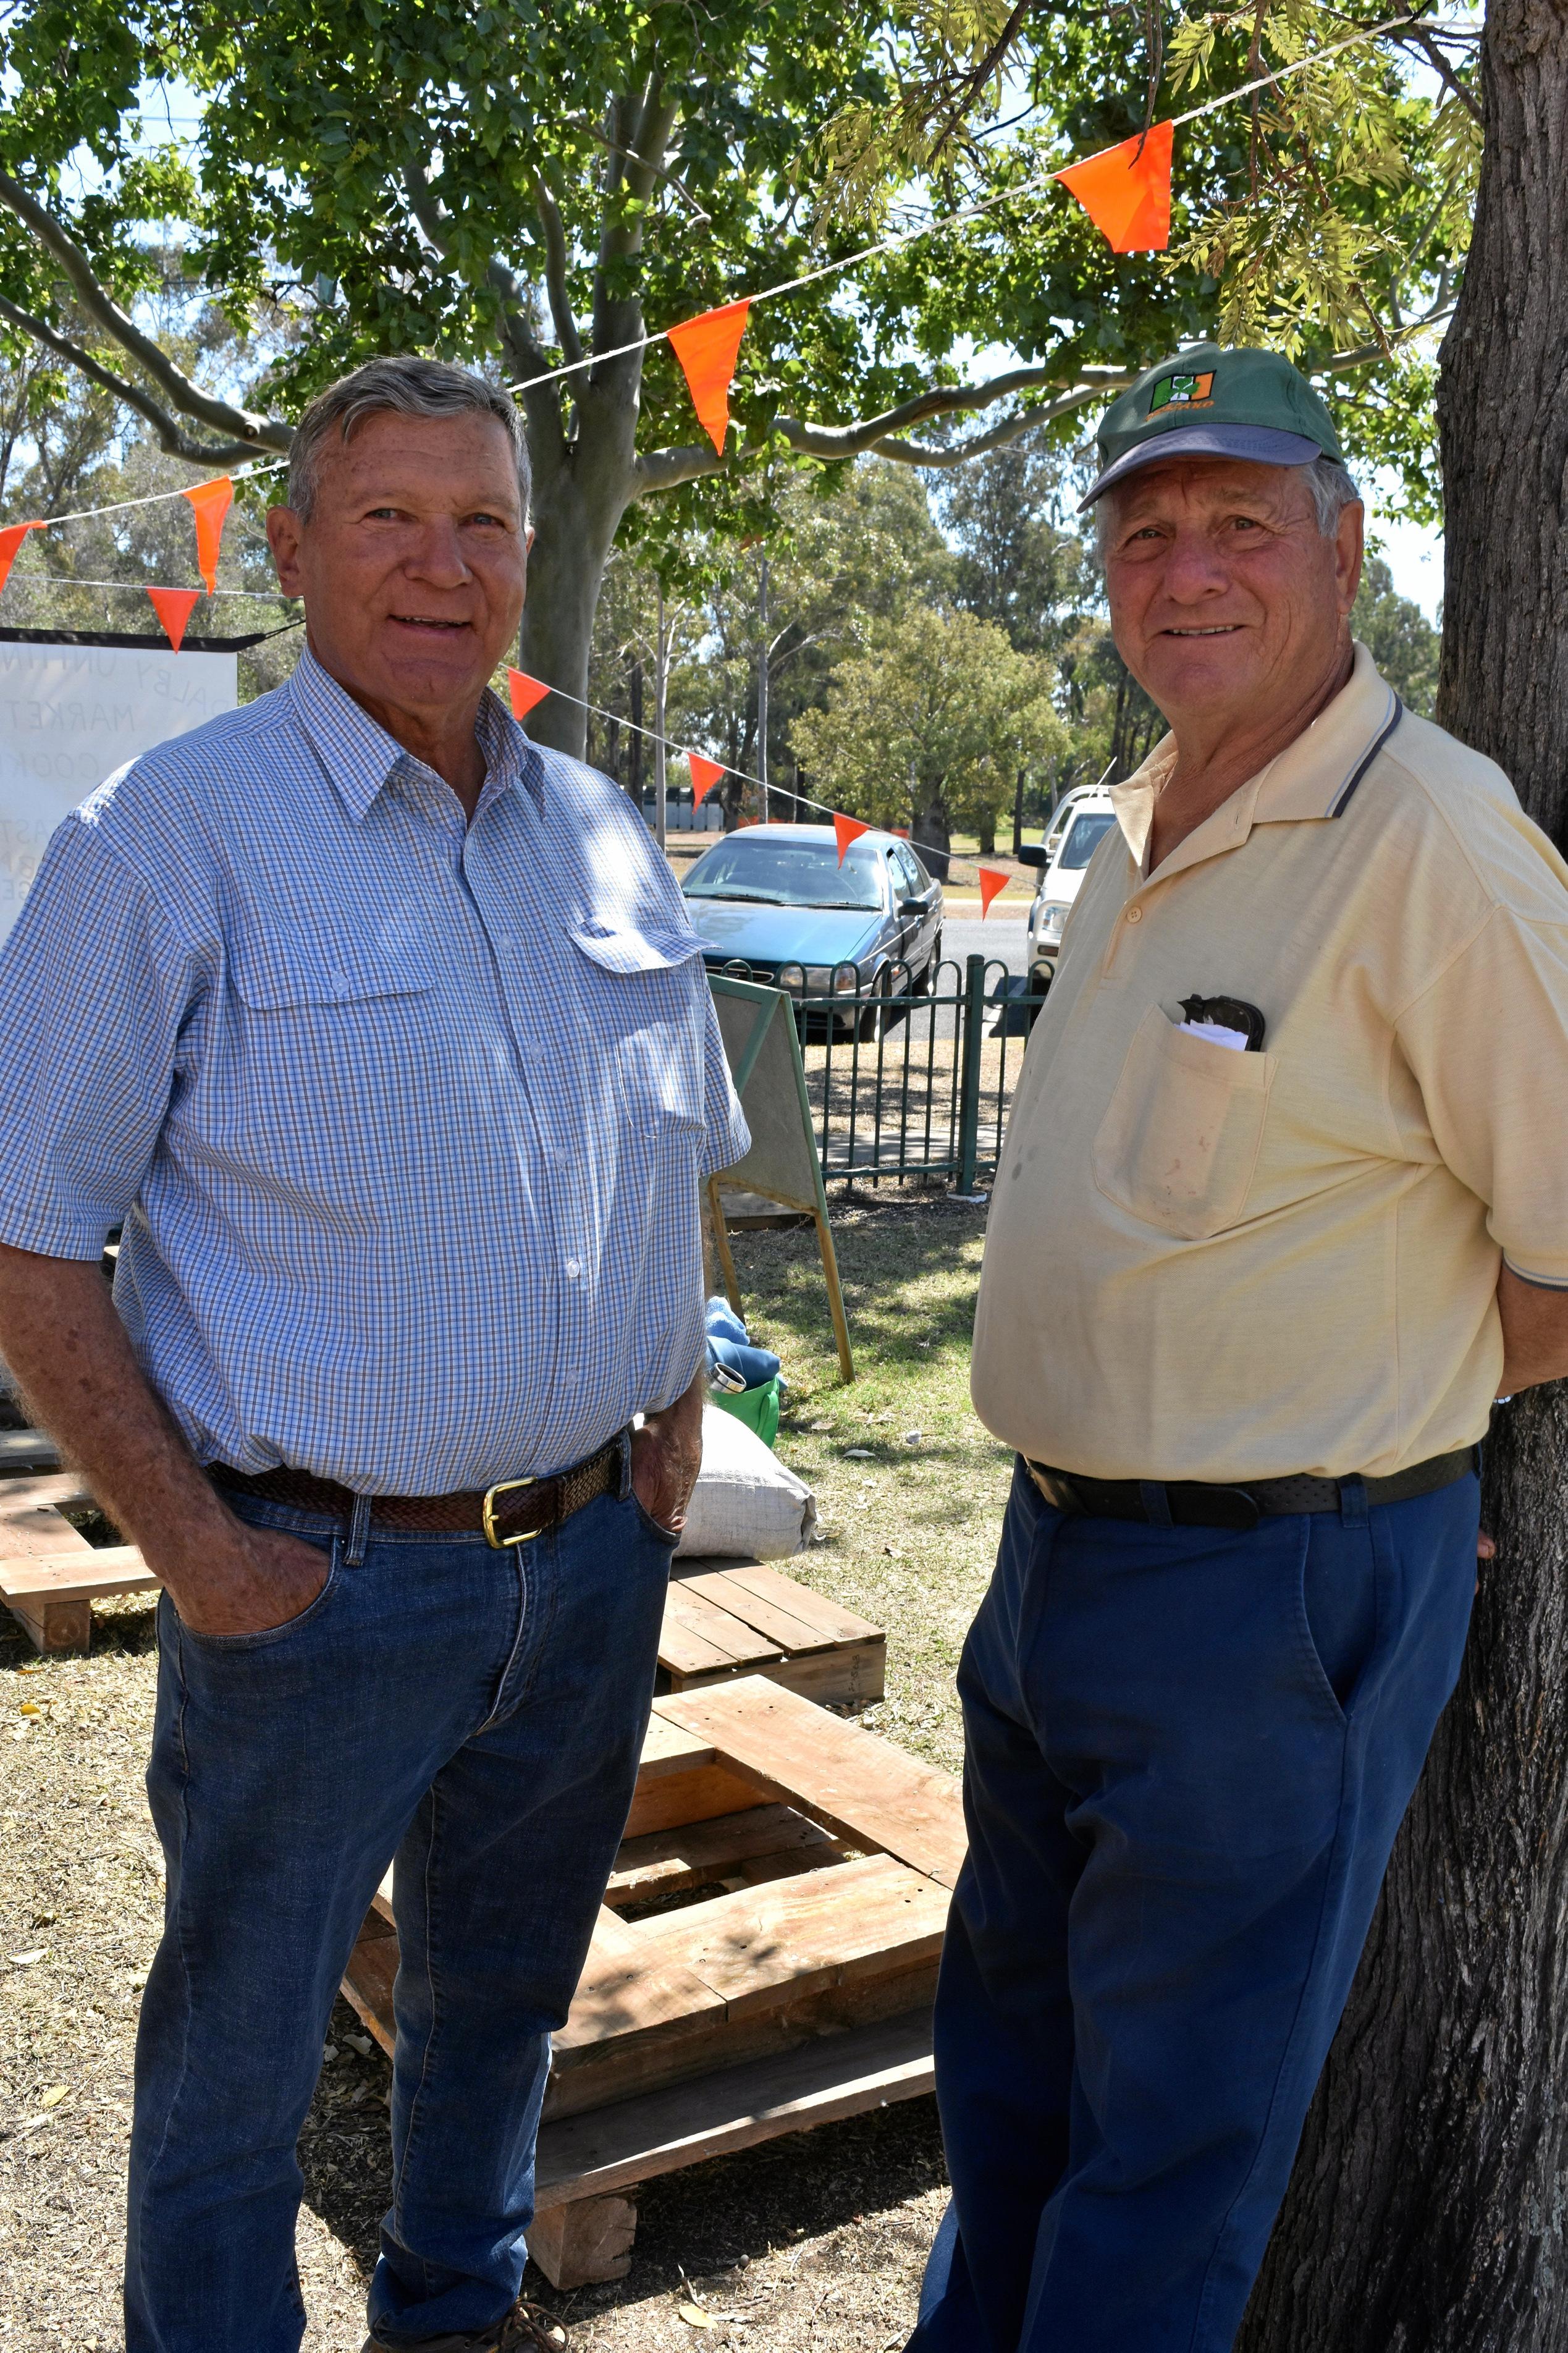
[(948, 400), (1420, 39), (252, 431), (666, 470), (561, 311), (172, 436)]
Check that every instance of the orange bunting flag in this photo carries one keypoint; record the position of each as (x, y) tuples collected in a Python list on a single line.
[(525, 691), (708, 348), (211, 502), (11, 539), (705, 775), (849, 830), (1126, 191), (991, 881), (173, 607)]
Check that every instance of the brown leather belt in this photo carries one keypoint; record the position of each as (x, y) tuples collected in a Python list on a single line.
[(1198, 1504), (513, 1511)]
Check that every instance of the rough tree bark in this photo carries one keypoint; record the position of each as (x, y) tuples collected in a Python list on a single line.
[(1426, 2211)]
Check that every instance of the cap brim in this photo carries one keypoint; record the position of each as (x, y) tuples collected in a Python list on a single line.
[(1264, 444)]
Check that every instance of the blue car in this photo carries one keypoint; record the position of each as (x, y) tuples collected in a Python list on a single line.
[(775, 898)]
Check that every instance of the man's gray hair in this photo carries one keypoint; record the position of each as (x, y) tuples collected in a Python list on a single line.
[(1331, 485), (411, 386)]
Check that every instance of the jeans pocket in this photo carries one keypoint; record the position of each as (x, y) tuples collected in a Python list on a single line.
[(667, 1538), (271, 1637)]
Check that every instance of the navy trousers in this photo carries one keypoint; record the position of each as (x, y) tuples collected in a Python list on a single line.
[(1187, 1754)]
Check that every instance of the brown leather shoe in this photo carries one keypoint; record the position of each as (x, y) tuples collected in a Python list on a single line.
[(526, 2327)]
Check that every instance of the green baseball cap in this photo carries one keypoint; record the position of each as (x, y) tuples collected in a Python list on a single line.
[(1210, 402)]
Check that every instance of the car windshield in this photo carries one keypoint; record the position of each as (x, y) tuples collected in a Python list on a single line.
[(1081, 843), (778, 873)]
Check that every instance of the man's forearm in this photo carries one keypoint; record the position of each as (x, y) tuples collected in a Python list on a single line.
[(68, 1351), (1534, 1333)]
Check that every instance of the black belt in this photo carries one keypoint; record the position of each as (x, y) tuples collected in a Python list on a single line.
[(1196, 1503)]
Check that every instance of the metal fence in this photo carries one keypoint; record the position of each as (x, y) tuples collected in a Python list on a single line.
[(910, 1081)]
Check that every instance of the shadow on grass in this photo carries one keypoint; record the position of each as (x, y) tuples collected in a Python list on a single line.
[(909, 1268)]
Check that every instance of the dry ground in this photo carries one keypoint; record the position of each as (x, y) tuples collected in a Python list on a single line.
[(812, 2242)]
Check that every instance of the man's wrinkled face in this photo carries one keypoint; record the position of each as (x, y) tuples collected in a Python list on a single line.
[(413, 562), (1226, 599)]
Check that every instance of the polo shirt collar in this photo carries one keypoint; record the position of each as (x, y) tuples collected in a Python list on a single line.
[(1315, 776), (360, 757)]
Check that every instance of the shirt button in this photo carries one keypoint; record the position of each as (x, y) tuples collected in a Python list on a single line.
[(573, 1267), (1134, 914)]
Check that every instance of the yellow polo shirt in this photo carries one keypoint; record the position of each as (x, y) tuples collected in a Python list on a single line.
[(1209, 1264)]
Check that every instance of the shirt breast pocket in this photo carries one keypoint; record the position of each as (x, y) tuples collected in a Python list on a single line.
[(645, 999), (1179, 1142)]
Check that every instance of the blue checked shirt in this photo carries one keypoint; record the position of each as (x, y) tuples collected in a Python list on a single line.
[(405, 1122)]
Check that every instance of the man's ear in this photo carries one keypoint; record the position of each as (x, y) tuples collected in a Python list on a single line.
[(1348, 551), (284, 532)]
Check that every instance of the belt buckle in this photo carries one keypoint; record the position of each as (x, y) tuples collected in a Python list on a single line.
[(488, 1516)]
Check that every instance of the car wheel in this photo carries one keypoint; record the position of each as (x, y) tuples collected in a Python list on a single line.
[(876, 1017), (927, 981)]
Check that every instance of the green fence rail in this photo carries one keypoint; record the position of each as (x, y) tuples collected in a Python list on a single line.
[(909, 1079)]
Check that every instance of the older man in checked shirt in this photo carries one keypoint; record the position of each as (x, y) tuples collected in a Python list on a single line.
[(384, 1033)]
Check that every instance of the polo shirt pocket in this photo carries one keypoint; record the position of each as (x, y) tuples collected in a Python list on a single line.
[(1179, 1142)]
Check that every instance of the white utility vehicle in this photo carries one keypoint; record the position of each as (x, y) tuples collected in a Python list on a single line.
[(1079, 827)]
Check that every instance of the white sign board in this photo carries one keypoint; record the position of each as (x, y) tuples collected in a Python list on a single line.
[(70, 715)]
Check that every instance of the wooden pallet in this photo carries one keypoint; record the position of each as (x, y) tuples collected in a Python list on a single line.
[(792, 1985), (725, 1619), (722, 1618)]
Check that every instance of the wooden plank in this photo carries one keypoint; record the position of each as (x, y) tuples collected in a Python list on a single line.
[(852, 1675), (91, 1575), (589, 2240), (55, 1626), (30, 1518), (761, 1947), (697, 1633), (696, 1852), (635, 2140), (854, 1784), (25, 1450), (790, 1629), (670, 1748), (753, 1582), (373, 1966)]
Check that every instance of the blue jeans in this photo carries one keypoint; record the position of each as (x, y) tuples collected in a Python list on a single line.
[(476, 1715), (1187, 1755)]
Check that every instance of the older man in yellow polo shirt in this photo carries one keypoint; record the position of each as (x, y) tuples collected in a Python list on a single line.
[(1283, 1207)]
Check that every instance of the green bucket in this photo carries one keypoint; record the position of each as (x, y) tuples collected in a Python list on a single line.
[(758, 1408)]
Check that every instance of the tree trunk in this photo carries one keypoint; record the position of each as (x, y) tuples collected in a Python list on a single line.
[(580, 494), (1426, 2211), (932, 836)]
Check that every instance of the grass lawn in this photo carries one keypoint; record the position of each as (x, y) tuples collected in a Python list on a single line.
[(812, 2242)]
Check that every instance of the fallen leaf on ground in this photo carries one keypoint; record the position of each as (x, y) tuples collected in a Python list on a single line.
[(25, 1960), (55, 2095), (695, 2317)]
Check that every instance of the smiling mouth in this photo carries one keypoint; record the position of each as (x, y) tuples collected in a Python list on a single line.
[(1222, 629), (427, 621)]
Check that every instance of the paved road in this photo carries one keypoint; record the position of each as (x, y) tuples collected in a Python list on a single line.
[(997, 936)]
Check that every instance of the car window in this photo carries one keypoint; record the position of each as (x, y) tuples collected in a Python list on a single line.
[(773, 872), (911, 881), (1087, 834)]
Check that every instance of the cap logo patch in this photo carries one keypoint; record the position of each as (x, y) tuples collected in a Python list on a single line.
[(1182, 391)]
